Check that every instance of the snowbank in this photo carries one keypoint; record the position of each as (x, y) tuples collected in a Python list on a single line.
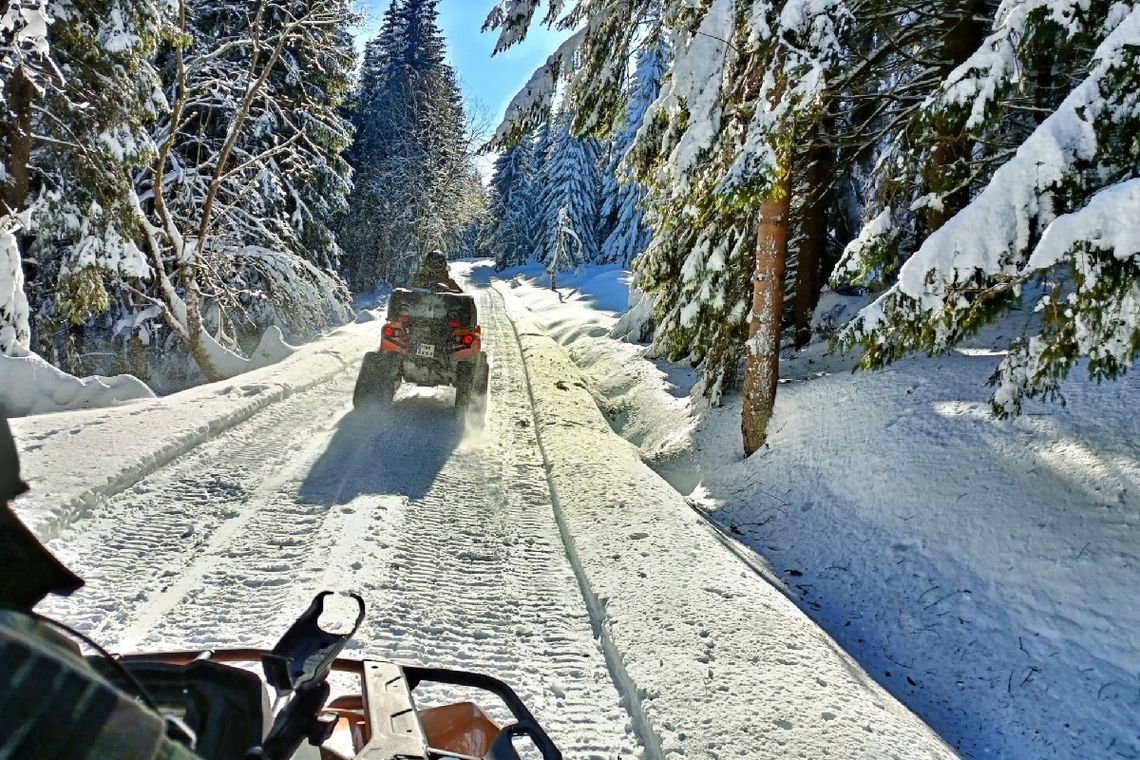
[(30, 385), (646, 401), (132, 444), (982, 571), (713, 659)]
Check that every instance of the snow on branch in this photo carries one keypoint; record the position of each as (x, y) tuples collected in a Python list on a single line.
[(978, 81), (1019, 228), (14, 331), (533, 103)]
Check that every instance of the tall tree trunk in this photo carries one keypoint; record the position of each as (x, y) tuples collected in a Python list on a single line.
[(193, 339), (762, 354), (812, 251), (17, 135), (946, 171)]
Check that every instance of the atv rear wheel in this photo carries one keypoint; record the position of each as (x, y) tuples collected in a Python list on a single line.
[(482, 376), (464, 379), (377, 381), (477, 408)]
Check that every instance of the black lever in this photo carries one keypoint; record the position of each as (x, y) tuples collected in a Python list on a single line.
[(300, 663), (306, 652)]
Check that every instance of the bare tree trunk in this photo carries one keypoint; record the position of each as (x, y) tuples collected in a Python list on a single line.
[(18, 142), (194, 328), (812, 251), (762, 355), (945, 172)]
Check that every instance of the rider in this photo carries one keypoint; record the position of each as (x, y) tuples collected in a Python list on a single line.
[(433, 274), (52, 704)]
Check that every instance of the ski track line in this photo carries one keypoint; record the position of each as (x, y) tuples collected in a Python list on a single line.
[(621, 678)]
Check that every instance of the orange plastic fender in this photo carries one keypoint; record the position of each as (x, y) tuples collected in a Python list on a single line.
[(461, 727)]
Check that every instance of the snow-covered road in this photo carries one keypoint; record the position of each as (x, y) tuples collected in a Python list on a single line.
[(450, 538), (540, 549)]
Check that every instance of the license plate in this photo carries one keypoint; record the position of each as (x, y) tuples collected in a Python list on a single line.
[(425, 349)]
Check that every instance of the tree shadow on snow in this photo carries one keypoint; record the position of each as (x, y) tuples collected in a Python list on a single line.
[(482, 274), (394, 450)]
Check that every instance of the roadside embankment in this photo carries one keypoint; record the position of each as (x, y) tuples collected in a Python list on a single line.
[(712, 658)]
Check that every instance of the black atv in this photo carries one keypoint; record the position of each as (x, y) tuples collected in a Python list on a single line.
[(431, 338)]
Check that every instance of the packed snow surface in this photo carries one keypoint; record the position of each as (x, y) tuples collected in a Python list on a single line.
[(540, 549), (982, 571)]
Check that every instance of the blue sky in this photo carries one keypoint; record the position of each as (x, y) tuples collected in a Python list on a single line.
[(489, 81)]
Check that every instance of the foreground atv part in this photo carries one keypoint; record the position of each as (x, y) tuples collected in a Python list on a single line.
[(433, 338), (218, 695), (306, 652)]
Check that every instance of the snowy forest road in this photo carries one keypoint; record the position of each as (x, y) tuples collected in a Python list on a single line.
[(541, 549), (448, 534)]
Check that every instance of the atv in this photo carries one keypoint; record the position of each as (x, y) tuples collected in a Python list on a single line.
[(431, 338)]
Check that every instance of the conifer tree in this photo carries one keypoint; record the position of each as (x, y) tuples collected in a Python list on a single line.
[(626, 234), (571, 201), (513, 206), (716, 152), (1051, 216), (411, 156), (540, 191), (76, 87)]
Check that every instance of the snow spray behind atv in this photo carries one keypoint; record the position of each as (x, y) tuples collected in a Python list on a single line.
[(431, 338)]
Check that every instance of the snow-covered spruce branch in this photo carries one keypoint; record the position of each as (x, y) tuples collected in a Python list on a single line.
[(1037, 218)]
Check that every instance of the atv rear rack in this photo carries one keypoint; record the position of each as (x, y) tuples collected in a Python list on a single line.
[(390, 720)]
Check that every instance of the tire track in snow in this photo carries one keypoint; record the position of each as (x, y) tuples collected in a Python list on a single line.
[(135, 548), (450, 538), (476, 575)]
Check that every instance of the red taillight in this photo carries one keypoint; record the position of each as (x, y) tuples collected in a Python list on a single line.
[(453, 324), (389, 331), (468, 340)]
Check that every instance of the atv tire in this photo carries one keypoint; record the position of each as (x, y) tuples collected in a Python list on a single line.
[(477, 408), (464, 379), (376, 383), (482, 378)]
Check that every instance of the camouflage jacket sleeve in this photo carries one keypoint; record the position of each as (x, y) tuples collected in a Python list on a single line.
[(52, 704)]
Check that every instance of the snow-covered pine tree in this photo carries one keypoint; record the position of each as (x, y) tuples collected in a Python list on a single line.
[(1059, 214), (716, 152), (928, 161), (412, 156), (572, 198), (626, 234), (512, 205), (540, 191), (76, 87), (358, 229)]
